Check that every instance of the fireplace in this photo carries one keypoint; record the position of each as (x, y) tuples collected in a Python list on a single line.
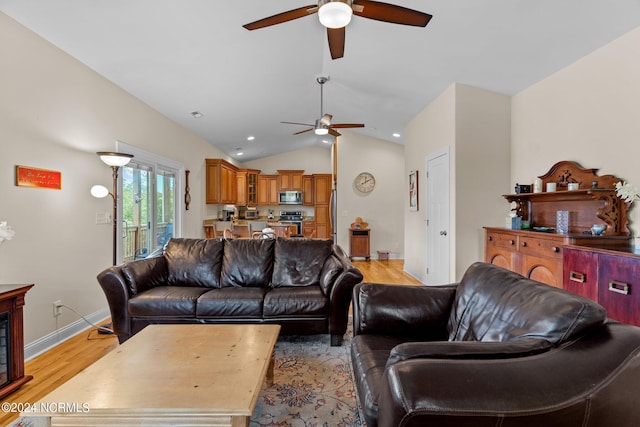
[(5, 355), (12, 339)]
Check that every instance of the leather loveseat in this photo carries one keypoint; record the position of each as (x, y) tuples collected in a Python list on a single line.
[(305, 285), (496, 349)]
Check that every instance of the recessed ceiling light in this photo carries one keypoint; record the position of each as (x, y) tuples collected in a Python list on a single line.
[(239, 152), (251, 138), (197, 114), (396, 135), (326, 141)]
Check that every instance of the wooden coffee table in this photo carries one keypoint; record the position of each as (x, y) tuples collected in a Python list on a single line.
[(168, 375)]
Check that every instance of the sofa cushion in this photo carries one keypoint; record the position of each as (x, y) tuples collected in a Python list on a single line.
[(298, 262), (292, 301), (495, 304), (166, 301), (247, 263), (145, 274), (231, 302), (194, 262)]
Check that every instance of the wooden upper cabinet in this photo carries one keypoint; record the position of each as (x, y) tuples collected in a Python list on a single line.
[(322, 188), (307, 190), (290, 179), (222, 187), (247, 181), (267, 189)]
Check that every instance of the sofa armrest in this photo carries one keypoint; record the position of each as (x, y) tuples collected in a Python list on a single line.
[(582, 382), (467, 350), (415, 311), (337, 279), (116, 290), (122, 282)]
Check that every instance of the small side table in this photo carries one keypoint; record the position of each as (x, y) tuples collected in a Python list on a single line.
[(359, 244), (12, 375)]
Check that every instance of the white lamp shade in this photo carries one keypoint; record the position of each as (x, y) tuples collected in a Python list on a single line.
[(321, 130), (99, 191), (335, 14), (114, 159)]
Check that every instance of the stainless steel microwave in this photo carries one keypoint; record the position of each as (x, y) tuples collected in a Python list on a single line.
[(290, 197)]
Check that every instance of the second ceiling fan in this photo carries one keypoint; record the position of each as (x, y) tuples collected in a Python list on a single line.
[(323, 125), (336, 14)]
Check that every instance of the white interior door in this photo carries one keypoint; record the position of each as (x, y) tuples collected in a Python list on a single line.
[(437, 221)]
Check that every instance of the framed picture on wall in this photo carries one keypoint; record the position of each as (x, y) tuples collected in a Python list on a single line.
[(413, 191)]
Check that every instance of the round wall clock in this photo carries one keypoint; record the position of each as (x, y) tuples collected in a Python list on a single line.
[(364, 182)]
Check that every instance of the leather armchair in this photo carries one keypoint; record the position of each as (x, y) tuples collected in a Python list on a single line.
[(496, 349)]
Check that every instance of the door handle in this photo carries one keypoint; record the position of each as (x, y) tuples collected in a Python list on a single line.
[(443, 233)]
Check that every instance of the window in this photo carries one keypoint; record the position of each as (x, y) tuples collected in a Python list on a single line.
[(150, 204)]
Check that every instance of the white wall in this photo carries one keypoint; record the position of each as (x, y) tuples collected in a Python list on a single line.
[(475, 125), (433, 129), (587, 112), (382, 208), (55, 113), (310, 160)]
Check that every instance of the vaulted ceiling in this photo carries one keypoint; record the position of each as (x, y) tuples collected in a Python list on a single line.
[(181, 56)]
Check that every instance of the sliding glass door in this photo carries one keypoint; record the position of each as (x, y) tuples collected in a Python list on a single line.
[(148, 208)]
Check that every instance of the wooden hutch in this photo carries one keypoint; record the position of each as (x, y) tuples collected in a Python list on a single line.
[(538, 254)]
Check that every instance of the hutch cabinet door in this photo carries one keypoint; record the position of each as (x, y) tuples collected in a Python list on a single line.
[(580, 272), (542, 269), (619, 287)]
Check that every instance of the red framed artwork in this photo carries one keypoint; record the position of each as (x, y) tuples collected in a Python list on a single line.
[(38, 178)]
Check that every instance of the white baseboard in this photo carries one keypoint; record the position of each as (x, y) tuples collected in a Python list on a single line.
[(58, 336)]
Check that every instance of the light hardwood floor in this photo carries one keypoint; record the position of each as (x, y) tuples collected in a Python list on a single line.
[(54, 367)]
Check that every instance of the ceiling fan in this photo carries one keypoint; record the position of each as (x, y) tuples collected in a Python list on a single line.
[(336, 14), (323, 125)]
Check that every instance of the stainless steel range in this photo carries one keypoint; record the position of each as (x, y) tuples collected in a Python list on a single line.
[(292, 217)]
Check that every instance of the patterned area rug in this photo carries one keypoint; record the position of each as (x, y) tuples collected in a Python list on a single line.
[(313, 386)]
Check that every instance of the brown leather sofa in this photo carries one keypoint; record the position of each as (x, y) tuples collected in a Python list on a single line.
[(496, 349), (305, 285)]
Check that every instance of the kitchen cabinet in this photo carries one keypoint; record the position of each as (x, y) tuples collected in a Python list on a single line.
[(308, 227), (290, 180), (221, 186), (322, 195), (247, 181), (538, 254), (267, 190), (307, 190), (608, 276)]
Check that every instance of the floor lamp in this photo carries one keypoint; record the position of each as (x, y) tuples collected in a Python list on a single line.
[(116, 161)]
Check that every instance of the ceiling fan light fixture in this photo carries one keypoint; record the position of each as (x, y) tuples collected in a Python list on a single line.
[(334, 13)]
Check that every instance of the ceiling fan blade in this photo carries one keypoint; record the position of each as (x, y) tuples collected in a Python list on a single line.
[(334, 132), (326, 119), (336, 42), (347, 125), (283, 17), (303, 131), (386, 12), (295, 123)]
